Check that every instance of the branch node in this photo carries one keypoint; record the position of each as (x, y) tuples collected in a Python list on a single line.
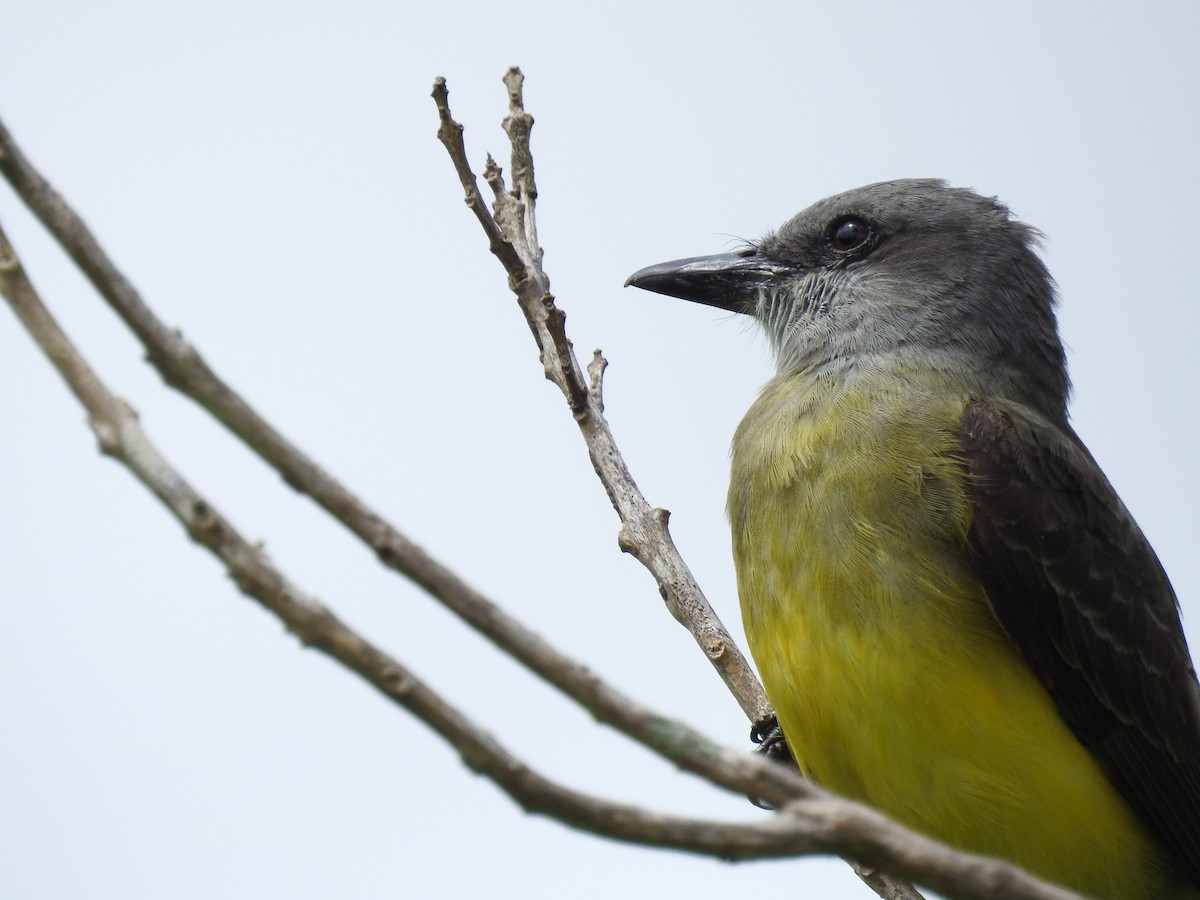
[(626, 540), (108, 436), (716, 650)]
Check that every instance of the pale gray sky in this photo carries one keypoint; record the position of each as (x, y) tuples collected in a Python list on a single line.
[(267, 174)]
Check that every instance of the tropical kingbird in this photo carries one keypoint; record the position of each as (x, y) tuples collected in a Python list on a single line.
[(954, 615)]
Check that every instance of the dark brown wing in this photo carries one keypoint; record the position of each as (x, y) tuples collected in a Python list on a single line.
[(1081, 593)]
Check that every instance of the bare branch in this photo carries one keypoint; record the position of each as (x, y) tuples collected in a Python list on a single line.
[(643, 528), (183, 368), (817, 824), (121, 437)]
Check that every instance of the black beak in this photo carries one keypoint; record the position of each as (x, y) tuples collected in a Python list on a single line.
[(727, 280)]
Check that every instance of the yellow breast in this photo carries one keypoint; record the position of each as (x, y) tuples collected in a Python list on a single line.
[(892, 680)]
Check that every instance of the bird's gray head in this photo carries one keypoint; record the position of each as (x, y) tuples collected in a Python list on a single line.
[(900, 273)]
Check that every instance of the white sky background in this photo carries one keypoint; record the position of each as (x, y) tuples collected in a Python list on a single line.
[(268, 176)]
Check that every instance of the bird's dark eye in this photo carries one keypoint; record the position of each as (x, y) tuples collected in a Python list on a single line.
[(848, 233)]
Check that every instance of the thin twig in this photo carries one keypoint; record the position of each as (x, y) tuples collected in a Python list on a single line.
[(813, 825), (643, 528)]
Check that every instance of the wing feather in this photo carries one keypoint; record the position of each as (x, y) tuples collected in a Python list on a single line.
[(1078, 588)]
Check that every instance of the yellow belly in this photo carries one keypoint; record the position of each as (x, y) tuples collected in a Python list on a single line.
[(892, 680)]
